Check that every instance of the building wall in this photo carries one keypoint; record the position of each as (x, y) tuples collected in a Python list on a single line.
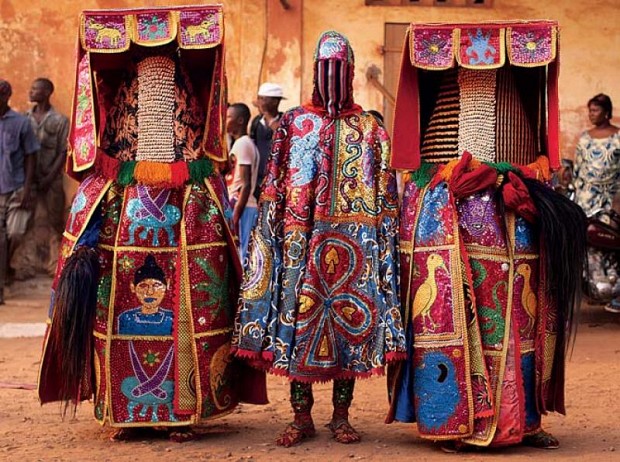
[(39, 40)]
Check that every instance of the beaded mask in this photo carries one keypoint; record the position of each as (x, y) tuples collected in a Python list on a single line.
[(333, 73)]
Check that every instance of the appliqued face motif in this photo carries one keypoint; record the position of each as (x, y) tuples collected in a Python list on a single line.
[(150, 292)]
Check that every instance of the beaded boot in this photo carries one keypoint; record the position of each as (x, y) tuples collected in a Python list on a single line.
[(340, 427), (302, 426)]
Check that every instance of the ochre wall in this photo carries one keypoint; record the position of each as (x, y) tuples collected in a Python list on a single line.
[(38, 39)]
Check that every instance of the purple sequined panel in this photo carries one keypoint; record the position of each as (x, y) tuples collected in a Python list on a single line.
[(531, 45), (480, 221), (432, 48)]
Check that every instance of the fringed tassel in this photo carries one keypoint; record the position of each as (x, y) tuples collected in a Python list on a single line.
[(179, 174), (502, 168), (157, 174), (125, 174), (200, 169), (152, 173), (423, 176), (563, 230), (72, 323)]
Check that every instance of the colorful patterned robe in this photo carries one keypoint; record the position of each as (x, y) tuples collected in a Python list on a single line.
[(320, 299), (490, 257), (151, 200), (483, 356), (149, 377)]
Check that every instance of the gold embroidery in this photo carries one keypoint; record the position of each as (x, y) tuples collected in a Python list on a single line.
[(331, 260), (324, 350), (305, 304), (427, 292), (528, 297), (348, 312)]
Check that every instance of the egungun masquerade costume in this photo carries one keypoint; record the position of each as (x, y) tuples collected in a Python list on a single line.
[(146, 288), (320, 299), (490, 256)]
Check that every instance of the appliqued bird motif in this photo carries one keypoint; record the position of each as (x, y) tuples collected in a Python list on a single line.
[(528, 297), (427, 292)]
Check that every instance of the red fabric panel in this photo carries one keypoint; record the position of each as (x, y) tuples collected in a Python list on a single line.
[(406, 130), (517, 197), (553, 132)]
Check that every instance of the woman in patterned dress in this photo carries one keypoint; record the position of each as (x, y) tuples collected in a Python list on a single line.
[(596, 178)]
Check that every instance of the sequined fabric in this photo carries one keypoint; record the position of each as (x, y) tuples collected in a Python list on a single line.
[(481, 326), (320, 298), (171, 367), (476, 313), (155, 211)]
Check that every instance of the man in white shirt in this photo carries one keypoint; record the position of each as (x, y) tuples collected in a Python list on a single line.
[(264, 124), (245, 159)]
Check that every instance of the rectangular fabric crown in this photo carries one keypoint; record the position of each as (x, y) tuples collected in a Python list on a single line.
[(106, 41), (114, 30), (479, 47)]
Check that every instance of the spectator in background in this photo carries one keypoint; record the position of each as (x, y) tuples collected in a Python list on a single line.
[(18, 146), (40, 246), (264, 124), (596, 179), (245, 158)]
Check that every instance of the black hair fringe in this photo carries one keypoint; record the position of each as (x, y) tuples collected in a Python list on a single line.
[(73, 317), (562, 227)]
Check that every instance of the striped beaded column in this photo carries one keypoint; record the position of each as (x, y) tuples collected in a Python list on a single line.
[(477, 116), (156, 109)]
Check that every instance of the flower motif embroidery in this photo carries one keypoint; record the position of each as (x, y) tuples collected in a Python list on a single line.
[(125, 264), (531, 46), (150, 358), (330, 304), (153, 27), (433, 48)]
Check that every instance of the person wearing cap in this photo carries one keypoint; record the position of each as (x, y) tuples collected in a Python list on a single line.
[(264, 124), (18, 146)]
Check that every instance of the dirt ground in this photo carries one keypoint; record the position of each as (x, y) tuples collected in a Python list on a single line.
[(29, 432)]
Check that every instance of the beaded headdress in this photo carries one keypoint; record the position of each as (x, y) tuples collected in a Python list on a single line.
[(150, 89), (490, 89)]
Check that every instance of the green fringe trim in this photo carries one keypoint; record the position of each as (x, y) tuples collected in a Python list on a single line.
[(200, 169), (125, 172), (502, 167), (423, 175)]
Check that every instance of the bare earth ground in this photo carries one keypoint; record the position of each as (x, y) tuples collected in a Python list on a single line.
[(29, 432)]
